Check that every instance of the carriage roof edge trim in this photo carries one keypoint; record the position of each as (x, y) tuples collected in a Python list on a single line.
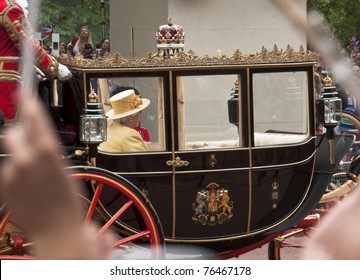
[(186, 59)]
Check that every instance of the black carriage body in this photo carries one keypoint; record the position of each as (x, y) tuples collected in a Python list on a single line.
[(233, 143)]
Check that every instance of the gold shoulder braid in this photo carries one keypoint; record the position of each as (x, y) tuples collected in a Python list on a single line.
[(52, 69)]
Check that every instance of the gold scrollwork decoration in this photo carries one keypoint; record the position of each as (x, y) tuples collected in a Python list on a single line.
[(177, 162), (189, 58)]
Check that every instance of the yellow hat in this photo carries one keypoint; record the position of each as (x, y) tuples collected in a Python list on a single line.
[(126, 103)]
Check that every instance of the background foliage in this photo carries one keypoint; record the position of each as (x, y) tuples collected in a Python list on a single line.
[(343, 17), (70, 15)]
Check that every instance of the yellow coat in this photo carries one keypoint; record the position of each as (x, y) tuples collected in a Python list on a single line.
[(121, 138)]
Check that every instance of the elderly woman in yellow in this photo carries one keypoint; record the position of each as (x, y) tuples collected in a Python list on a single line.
[(126, 113)]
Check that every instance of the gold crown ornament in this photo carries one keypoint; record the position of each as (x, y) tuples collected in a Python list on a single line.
[(327, 81), (170, 39)]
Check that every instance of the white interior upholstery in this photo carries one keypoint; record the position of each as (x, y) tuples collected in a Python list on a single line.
[(261, 139)]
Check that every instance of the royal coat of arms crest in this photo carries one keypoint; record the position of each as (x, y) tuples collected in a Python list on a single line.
[(213, 205)]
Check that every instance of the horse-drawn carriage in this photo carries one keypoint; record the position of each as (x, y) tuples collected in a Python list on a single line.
[(234, 159)]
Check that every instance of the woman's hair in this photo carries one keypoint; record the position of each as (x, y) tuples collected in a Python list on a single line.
[(82, 42), (103, 40), (127, 121)]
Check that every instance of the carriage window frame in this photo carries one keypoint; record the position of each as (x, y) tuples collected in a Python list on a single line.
[(162, 143), (241, 140), (280, 136)]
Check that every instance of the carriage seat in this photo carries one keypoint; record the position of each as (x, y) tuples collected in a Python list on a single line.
[(212, 144), (261, 139), (264, 138)]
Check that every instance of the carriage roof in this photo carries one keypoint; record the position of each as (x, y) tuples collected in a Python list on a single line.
[(116, 62)]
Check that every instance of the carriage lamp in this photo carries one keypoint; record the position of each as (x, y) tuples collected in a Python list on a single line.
[(329, 106), (332, 111), (93, 122), (329, 112)]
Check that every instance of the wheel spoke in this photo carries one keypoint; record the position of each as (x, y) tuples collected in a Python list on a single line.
[(115, 216), (132, 237), (94, 202), (4, 222)]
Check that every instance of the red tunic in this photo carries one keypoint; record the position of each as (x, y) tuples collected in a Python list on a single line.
[(14, 30), (144, 133)]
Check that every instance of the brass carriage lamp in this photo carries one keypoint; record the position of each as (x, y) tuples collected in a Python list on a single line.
[(332, 111), (332, 103), (93, 122), (329, 112)]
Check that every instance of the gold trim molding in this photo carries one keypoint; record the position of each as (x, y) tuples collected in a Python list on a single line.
[(116, 60)]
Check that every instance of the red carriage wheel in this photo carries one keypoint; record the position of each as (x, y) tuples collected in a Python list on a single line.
[(114, 204)]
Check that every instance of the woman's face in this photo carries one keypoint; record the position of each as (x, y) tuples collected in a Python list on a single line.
[(62, 48), (136, 119), (84, 33), (105, 45)]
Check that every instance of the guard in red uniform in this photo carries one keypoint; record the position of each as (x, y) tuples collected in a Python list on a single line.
[(14, 31)]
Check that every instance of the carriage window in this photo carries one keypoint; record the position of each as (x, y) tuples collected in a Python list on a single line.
[(151, 123), (203, 112), (280, 107)]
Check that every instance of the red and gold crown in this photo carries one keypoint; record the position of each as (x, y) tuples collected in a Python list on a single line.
[(170, 39), (170, 34)]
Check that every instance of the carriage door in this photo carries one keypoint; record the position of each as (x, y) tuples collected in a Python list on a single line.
[(210, 159)]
